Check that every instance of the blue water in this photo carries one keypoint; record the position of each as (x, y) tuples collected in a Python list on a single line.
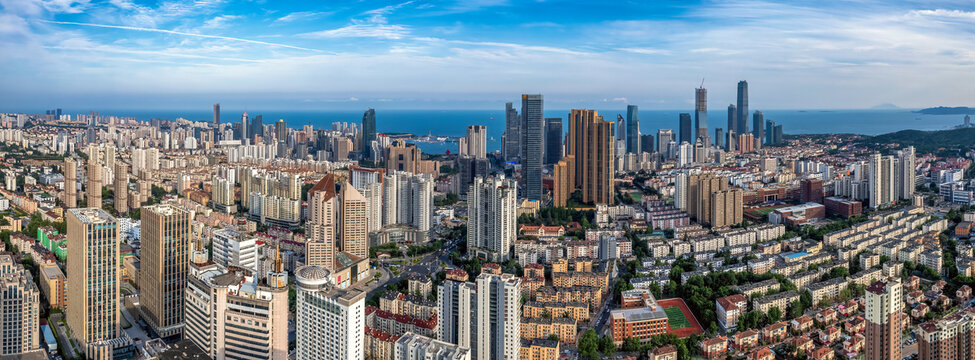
[(795, 255), (454, 122)]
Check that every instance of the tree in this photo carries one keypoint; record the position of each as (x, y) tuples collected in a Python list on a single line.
[(588, 342), (795, 309), (631, 344), (774, 314), (606, 346), (553, 337)]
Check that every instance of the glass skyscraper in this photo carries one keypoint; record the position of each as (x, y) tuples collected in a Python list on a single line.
[(553, 140), (685, 129), (368, 133), (532, 128), (700, 113), (632, 129), (742, 115)]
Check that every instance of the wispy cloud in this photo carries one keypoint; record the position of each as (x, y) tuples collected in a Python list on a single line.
[(362, 29), (302, 16), (220, 21), (133, 28), (646, 51)]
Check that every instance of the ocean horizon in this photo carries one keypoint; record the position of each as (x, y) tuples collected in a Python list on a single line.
[(455, 122)]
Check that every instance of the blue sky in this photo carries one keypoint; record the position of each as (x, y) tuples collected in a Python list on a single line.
[(179, 54)]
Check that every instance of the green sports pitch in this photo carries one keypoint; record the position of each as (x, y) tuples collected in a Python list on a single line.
[(676, 318)]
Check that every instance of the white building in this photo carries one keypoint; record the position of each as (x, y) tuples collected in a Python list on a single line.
[(498, 317), (231, 248), (411, 346), (408, 200), (491, 208), (330, 322)]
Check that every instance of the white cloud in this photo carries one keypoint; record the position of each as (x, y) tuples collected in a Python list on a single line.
[(179, 33), (943, 13), (363, 30), (220, 21), (646, 51), (302, 16)]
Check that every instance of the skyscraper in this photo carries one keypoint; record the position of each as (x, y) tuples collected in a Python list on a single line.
[(512, 133), (884, 313), (881, 180), (93, 192), (163, 274), (70, 183), (591, 143), (256, 128), (121, 187), (718, 137), (733, 119), (93, 283), (758, 126), (700, 112), (553, 140), (769, 132), (244, 128), (498, 317), (281, 130), (329, 322), (216, 114), (21, 301), (742, 115), (532, 151), (456, 304), (632, 129), (368, 134), (491, 208), (905, 178), (352, 222), (664, 137), (563, 176), (476, 141), (322, 205), (687, 135), (646, 143)]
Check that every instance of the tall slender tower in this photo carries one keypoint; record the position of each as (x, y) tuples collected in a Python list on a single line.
[(477, 141), (553, 140), (905, 173), (93, 293), (591, 144), (632, 129), (94, 190), (352, 222), (884, 312), (70, 183), (700, 112), (733, 119), (322, 205), (165, 250), (512, 133), (121, 187), (532, 151), (368, 134), (758, 126), (742, 114), (216, 115), (686, 134), (498, 317), (491, 209)]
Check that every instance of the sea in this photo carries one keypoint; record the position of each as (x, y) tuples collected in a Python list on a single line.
[(455, 122)]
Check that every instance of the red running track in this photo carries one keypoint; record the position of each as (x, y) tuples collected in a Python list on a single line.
[(695, 327)]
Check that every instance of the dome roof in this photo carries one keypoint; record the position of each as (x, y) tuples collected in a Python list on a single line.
[(312, 275)]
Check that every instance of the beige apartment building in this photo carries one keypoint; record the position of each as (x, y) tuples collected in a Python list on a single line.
[(164, 266)]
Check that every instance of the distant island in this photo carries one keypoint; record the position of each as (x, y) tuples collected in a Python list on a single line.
[(946, 110), (954, 142)]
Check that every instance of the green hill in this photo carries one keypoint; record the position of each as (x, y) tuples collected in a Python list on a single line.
[(953, 142)]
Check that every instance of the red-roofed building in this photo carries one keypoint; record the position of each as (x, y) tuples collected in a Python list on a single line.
[(457, 275), (803, 343), (854, 344), (761, 354), (775, 332), (379, 344), (827, 316), (855, 325), (729, 308), (534, 271), (542, 231), (714, 348), (802, 323), (823, 353), (746, 340), (491, 268), (400, 324)]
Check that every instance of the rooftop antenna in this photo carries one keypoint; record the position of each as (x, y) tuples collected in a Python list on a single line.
[(277, 256), (702, 82)]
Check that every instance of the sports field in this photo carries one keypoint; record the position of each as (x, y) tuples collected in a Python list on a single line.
[(680, 319), (676, 319)]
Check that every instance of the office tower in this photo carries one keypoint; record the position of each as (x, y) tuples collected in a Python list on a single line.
[(469, 168), (336, 333), (281, 130), (664, 137), (121, 187), (256, 129), (368, 134), (949, 338), (633, 137), (553, 140), (412, 346), (905, 177), (374, 206), (93, 283), (165, 248), (512, 133), (881, 180), (403, 157), (320, 226), (726, 207), (884, 313), (591, 143), (456, 306), (491, 207), (769, 132), (619, 130), (70, 183), (244, 128), (733, 119), (21, 300), (777, 134), (352, 222), (687, 135), (234, 248), (758, 126), (718, 137), (746, 143), (742, 115), (233, 314), (563, 180), (532, 150), (93, 192), (476, 141), (216, 114), (731, 141), (700, 111), (498, 317), (810, 190), (646, 143)]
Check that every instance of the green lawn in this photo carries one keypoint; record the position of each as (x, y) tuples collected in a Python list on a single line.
[(766, 211), (636, 196), (676, 318)]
